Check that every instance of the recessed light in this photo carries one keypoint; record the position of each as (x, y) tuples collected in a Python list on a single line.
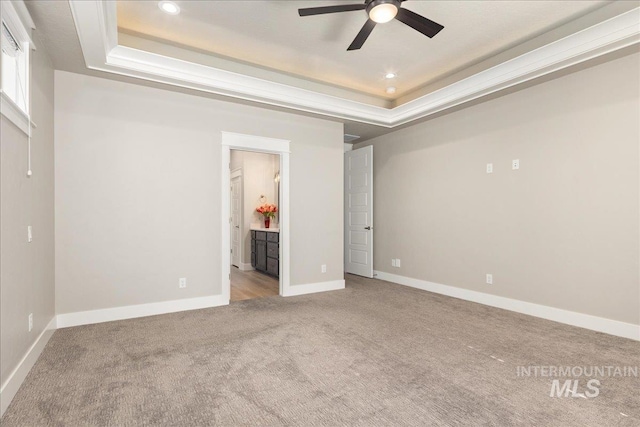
[(390, 76), (169, 7), (391, 90)]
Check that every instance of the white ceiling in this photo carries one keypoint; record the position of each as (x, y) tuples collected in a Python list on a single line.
[(271, 34)]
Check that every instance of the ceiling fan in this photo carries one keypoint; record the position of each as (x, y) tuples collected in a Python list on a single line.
[(379, 11)]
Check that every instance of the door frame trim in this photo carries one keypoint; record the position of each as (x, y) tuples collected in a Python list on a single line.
[(236, 141)]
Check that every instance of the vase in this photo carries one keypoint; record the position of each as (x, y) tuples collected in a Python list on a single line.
[(267, 221)]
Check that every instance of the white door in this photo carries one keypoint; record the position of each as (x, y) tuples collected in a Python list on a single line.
[(358, 211), (236, 220)]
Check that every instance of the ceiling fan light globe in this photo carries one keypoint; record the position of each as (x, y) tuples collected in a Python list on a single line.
[(383, 12)]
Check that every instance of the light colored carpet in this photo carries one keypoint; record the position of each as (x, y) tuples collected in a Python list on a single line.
[(374, 354)]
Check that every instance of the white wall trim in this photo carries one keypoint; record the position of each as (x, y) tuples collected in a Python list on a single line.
[(97, 28), (17, 376), (260, 144), (245, 266), (600, 324), (255, 143), (312, 288), (96, 25), (24, 14), (14, 114), (140, 310)]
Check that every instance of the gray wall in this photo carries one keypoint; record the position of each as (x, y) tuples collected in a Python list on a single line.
[(562, 231), (138, 192), (27, 269)]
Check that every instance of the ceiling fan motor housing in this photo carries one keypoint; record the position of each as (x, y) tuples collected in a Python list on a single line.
[(372, 4)]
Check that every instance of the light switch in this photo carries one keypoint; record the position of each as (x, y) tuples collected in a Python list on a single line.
[(489, 167), (29, 234)]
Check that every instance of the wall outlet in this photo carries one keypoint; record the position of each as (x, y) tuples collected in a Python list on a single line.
[(182, 283), (323, 268), (489, 167), (30, 321), (398, 262), (489, 279), (515, 164), (29, 234), (393, 262)]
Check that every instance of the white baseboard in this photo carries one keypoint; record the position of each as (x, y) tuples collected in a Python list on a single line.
[(15, 379), (245, 267), (140, 310), (312, 288), (600, 324)]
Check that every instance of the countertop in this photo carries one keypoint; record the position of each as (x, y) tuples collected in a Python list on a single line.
[(271, 229)]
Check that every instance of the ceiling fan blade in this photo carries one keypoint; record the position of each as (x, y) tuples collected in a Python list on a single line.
[(418, 22), (362, 35), (331, 9)]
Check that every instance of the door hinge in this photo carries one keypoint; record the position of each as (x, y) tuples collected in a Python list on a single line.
[(230, 220)]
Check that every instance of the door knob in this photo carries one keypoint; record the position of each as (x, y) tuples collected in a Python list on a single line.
[(237, 226), (368, 227)]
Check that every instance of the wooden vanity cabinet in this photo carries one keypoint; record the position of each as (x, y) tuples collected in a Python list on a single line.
[(265, 252)]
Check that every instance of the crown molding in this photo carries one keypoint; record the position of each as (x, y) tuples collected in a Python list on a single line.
[(603, 38), (24, 14), (96, 25)]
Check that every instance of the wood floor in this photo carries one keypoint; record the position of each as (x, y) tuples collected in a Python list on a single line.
[(252, 284)]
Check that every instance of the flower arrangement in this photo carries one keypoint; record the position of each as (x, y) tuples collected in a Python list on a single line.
[(267, 210)]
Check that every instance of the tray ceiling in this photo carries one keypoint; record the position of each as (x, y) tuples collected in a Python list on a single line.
[(270, 34), (86, 36)]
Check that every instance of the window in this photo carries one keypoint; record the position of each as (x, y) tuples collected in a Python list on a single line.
[(15, 46), (15, 82)]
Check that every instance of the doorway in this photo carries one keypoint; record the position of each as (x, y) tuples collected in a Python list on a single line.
[(279, 255), (255, 242)]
